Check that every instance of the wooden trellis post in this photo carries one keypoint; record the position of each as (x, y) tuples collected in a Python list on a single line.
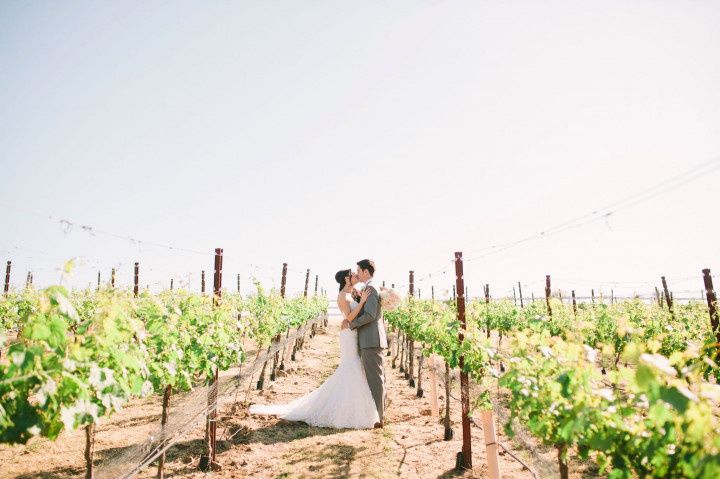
[(668, 297), (163, 421), (548, 293), (307, 281), (712, 309), (208, 460), (487, 303), (574, 303), (446, 420), (136, 285), (276, 359), (8, 267), (464, 459), (522, 305), (411, 340)]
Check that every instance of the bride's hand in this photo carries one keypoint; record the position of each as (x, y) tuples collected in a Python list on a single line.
[(344, 325), (365, 295)]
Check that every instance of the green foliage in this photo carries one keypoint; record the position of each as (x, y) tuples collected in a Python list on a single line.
[(80, 356), (651, 415)]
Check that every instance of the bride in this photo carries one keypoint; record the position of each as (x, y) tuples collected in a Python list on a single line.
[(344, 400)]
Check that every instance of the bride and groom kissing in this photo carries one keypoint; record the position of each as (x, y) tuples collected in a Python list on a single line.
[(354, 395)]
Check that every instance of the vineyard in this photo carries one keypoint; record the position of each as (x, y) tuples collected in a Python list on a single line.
[(631, 386), (71, 359), (626, 387)]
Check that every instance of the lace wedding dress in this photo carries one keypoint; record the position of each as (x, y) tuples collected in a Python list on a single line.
[(342, 401)]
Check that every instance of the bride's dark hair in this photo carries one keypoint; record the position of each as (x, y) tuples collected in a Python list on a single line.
[(340, 277)]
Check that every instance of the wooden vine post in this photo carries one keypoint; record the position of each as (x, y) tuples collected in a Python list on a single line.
[(668, 298), (410, 376), (283, 280), (548, 292), (89, 450), (313, 328), (8, 267), (398, 343), (307, 280), (112, 278), (487, 304), (98, 282), (276, 359), (238, 283), (165, 410), (401, 345), (136, 284), (712, 309), (574, 303), (202, 282), (522, 305), (172, 283), (419, 393), (316, 284), (464, 458), (207, 461), (448, 429)]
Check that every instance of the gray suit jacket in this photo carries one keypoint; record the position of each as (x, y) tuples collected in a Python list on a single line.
[(368, 320)]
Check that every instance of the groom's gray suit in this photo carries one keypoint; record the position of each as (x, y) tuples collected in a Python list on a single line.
[(371, 343)]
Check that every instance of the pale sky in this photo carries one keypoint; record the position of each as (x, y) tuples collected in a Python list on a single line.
[(321, 133)]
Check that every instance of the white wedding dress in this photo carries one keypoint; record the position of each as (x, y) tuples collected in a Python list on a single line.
[(344, 400)]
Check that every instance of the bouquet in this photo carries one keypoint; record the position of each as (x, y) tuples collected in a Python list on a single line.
[(390, 299)]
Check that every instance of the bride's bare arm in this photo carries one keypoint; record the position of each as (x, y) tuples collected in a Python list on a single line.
[(344, 308), (354, 313), (343, 305)]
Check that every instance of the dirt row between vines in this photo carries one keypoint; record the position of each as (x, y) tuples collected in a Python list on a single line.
[(410, 445)]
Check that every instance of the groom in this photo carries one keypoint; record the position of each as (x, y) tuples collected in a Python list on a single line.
[(371, 337)]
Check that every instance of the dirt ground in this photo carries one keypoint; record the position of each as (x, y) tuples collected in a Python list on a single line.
[(410, 445)]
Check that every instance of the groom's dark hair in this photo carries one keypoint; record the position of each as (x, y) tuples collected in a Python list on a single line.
[(367, 264)]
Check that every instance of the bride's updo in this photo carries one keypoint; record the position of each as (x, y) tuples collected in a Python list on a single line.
[(340, 277)]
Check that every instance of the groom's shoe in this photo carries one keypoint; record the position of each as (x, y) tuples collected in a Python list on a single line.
[(378, 425)]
